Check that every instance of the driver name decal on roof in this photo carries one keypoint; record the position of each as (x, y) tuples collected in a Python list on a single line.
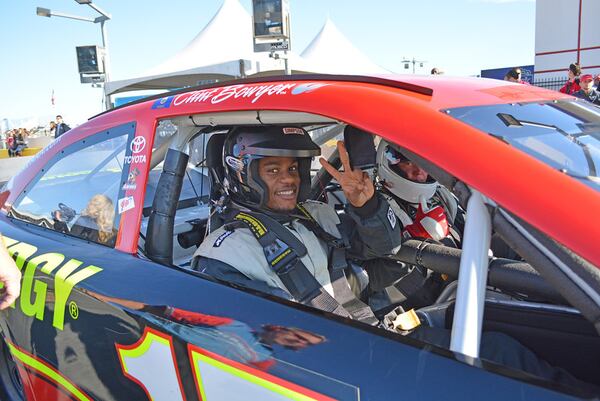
[(219, 95), (34, 289)]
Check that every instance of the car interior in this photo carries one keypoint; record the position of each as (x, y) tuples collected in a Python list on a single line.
[(528, 297)]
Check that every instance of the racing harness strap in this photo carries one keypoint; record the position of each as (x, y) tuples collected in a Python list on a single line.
[(283, 252), (337, 269)]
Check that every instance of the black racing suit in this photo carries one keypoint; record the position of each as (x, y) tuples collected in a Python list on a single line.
[(392, 283)]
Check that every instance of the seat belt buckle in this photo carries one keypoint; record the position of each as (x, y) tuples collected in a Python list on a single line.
[(400, 321), (406, 321)]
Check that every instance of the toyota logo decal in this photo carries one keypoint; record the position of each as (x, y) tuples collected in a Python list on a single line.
[(138, 144)]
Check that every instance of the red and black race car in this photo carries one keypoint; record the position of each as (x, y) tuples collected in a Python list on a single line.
[(119, 314)]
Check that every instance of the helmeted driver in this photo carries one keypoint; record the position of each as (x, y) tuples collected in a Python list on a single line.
[(425, 208), (276, 241)]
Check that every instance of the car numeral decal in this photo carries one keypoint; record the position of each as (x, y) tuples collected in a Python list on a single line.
[(150, 362), (243, 382)]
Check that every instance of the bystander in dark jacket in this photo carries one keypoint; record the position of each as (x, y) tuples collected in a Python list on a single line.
[(587, 91), (61, 127)]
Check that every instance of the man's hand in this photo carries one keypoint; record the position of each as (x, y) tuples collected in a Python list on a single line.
[(10, 276), (356, 184)]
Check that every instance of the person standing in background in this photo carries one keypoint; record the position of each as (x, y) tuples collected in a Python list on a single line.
[(587, 91), (514, 75), (10, 140), (52, 128), (572, 84), (20, 145), (12, 150), (61, 127)]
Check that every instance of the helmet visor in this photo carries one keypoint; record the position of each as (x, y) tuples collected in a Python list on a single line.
[(393, 156)]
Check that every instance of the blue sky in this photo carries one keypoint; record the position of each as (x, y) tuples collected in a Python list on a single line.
[(38, 54)]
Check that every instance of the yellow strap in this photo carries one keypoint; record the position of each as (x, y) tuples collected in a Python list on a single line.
[(304, 212), (256, 226), (407, 321)]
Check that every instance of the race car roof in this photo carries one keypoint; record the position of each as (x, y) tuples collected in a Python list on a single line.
[(442, 90)]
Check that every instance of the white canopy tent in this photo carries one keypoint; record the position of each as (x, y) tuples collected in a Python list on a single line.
[(222, 50), (330, 52)]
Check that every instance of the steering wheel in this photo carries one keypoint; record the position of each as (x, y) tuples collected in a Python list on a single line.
[(64, 213)]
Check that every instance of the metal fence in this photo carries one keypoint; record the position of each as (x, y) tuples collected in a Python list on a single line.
[(550, 83)]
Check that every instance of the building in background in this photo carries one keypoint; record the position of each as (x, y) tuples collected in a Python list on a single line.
[(566, 31)]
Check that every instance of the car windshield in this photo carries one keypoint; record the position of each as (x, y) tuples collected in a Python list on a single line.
[(562, 134)]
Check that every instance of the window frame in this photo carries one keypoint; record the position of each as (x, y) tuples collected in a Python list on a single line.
[(127, 129)]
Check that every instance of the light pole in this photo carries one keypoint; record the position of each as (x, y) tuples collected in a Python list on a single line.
[(413, 61), (104, 16), (271, 29)]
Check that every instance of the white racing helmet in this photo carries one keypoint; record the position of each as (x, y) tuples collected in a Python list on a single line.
[(388, 156)]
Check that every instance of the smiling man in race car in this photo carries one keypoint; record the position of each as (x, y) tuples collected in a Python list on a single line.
[(276, 241)]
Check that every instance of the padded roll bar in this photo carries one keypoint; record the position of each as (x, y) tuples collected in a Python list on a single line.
[(159, 237), (507, 274)]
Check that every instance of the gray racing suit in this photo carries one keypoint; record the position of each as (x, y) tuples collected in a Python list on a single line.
[(236, 256)]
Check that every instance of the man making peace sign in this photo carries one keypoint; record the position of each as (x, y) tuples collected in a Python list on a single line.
[(275, 240)]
